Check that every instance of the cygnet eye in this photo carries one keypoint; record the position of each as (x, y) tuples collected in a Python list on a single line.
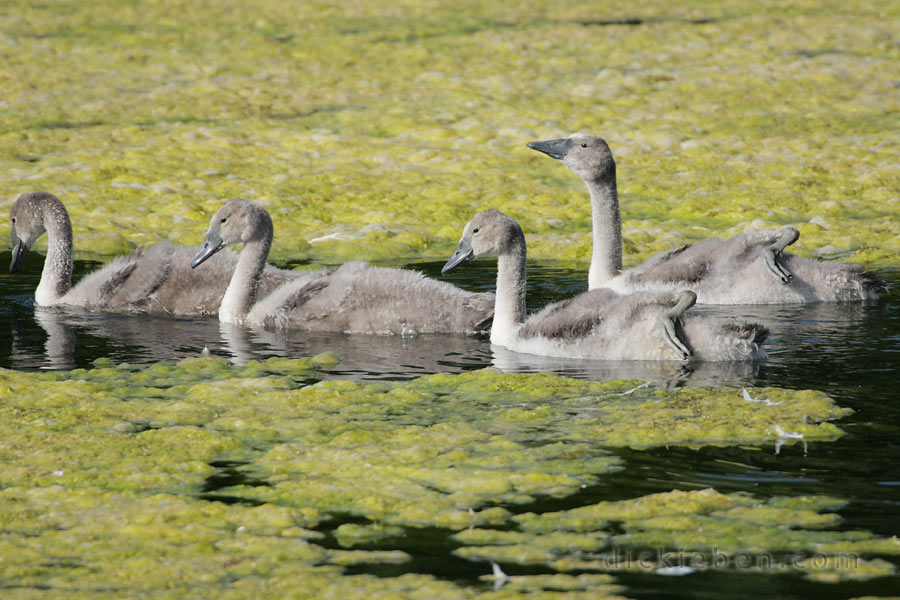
[(13, 220), (584, 144), (223, 219), (475, 230)]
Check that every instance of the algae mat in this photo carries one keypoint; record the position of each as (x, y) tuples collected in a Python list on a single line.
[(375, 131), (105, 485)]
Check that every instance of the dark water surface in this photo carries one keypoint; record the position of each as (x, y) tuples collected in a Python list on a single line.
[(851, 352)]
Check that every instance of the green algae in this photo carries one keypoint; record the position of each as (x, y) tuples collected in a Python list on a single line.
[(463, 440), (103, 461), (700, 530), (360, 128), (132, 426), (354, 534), (557, 585), (118, 543)]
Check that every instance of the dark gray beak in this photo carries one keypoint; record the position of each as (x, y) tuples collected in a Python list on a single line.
[(553, 148), (212, 244), (18, 254), (463, 253)]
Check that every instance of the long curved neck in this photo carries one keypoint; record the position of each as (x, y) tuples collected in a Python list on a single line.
[(606, 257), (509, 305), (56, 278), (240, 295)]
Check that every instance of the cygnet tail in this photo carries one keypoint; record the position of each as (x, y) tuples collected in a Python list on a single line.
[(871, 283), (721, 339), (754, 333)]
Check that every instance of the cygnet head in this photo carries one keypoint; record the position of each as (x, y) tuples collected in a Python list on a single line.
[(26, 222), (239, 220), (587, 156), (489, 232)]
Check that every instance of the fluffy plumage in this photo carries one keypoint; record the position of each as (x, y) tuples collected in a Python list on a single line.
[(154, 280), (729, 271), (360, 298), (599, 324), (355, 298)]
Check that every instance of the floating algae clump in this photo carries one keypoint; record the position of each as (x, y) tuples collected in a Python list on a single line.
[(125, 427), (353, 534), (569, 587), (108, 470), (465, 441), (120, 543), (443, 450), (699, 530)]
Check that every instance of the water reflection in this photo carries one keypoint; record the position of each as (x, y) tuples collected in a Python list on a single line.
[(152, 339), (363, 357), (59, 338), (65, 338), (827, 325), (668, 374), (59, 349)]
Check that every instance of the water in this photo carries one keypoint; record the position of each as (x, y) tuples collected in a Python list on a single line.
[(851, 352)]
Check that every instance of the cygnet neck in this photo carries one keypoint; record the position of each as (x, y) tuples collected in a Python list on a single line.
[(240, 295), (509, 305), (606, 222), (56, 278)]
